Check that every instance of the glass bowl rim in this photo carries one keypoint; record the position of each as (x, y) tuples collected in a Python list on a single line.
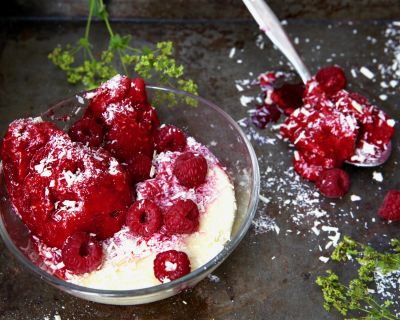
[(218, 259)]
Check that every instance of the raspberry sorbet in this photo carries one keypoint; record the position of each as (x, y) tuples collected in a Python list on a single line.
[(118, 202)]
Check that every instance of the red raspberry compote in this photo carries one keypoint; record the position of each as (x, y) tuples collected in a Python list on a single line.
[(329, 127)]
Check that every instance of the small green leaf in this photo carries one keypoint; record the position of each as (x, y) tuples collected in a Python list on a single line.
[(84, 42), (356, 296), (119, 42)]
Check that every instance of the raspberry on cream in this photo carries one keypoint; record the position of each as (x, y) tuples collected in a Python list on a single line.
[(129, 257)]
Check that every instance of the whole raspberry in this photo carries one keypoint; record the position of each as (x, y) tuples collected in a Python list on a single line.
[(81, 253), (288, 96), (331, 79), (190, 169), (88, 131), (182, 217), (333, 183), (144, 218), (106, 225), (171, 265), (139, 167), (390, 208), (170, 138)]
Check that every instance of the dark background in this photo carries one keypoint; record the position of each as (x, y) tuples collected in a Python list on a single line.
[(206, 9), (270, 275)]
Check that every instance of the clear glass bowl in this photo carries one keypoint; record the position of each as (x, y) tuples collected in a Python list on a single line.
[(209, 125)]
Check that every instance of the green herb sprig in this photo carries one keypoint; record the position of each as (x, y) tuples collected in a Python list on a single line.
[(356, 296), (82, 65)]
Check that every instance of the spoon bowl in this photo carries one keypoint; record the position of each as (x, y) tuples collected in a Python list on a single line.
[(378, 160)]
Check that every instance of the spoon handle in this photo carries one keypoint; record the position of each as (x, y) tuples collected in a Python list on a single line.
[(270, 24)]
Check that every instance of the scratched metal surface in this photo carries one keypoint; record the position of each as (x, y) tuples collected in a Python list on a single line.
[(270, 275)]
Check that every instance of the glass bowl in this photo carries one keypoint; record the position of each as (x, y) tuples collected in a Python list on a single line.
[(209, 125)]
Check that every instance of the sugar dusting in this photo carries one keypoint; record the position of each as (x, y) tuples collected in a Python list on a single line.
[(213, 278), (388, 285), (264, 224), (390, 73)]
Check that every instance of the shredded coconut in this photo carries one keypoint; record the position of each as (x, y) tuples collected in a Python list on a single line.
[(377, 176), (214, 278), (264, 224), (367, 73)]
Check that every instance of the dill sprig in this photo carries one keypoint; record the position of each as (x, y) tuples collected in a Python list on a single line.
[(82, 65), (356, 297)]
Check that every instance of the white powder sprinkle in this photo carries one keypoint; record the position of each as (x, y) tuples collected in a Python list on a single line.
[(263, 199), (113, 167), (391, 122), (383, 97), (260, 43), (254, 135), (239, 87), (169, 266), (245, 100), (265, 224), (323, 259), (80, 99), (354, 197), (377, 176), (367, 73), (214, 278), (390, 73), (232, 52), (388, 285)]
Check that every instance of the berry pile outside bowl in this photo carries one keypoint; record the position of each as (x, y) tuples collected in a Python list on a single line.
[(210, 126)]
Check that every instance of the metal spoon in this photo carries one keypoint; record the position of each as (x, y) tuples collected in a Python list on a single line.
[(272, 27)]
